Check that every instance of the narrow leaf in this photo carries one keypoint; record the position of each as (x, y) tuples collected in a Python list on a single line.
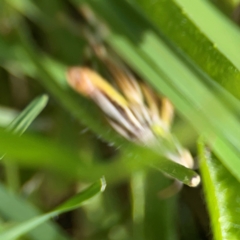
[(27, 116), (14, 208), (222, 195), (70, 204)]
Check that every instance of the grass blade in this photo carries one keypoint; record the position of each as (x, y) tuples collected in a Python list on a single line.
[(15, 208), (27, 116), (73, 203), (46, 153), (198, 38), (222, 200)]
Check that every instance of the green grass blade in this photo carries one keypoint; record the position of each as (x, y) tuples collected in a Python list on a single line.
[(138, 204), (73, 203), (160, 213), (34, 151), (14, 209), (38, 152), (27, 116), (83, 196), (19, 126), (222, 194), (208, 46)]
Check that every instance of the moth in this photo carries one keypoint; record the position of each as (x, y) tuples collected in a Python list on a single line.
[(132, 108)]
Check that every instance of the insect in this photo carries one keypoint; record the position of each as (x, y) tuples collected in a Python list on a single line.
[(132, 108)]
